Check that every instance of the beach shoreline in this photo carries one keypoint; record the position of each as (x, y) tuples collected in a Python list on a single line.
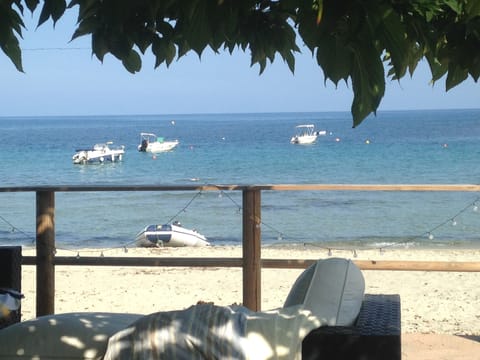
[(432, 302)]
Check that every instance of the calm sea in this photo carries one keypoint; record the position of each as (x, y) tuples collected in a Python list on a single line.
[(414, 147)]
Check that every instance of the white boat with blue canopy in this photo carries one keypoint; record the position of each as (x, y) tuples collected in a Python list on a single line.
[(169, 235)]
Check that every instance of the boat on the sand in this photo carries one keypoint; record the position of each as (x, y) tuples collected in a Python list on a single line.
[(169, 235)]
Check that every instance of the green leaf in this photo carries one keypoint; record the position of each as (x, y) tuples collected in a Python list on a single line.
[(472, 8), (454, 5), (393, 34), (368, 81), (308, 30), (170, 53), (11, 23), (18, 4), (52, 8), (475, 71), (164, 51), (87, 9), (198, 31), (436, 68), (99, 46), (57, 9), (183, 48), (44, 15), (290, 60), (334, 58), (12, 49), (144, 40), (455, 76), (87, 26), (16, 22), (133, 62)]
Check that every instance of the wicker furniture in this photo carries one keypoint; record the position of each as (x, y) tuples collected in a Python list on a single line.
[(376, 334), (10, 278)]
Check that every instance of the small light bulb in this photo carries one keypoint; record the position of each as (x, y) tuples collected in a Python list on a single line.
[(454, 222), (430, 236)]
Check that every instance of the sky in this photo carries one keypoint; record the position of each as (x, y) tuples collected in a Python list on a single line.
[(63, 78)]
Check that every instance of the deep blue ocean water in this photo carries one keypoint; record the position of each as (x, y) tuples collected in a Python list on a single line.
[(414, 147)]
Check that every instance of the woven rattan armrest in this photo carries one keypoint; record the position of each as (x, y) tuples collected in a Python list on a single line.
[(376, 334)]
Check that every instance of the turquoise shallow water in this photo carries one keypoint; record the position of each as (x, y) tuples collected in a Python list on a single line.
[(413, 147)]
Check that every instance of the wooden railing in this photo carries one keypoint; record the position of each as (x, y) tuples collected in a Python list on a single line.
[(251, 261)]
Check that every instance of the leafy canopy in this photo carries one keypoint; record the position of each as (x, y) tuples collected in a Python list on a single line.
[(361, 42)]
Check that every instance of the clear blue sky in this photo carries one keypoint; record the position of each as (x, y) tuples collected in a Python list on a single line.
[(62, 78)]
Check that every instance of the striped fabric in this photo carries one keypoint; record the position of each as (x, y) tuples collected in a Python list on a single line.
[(202, 331)]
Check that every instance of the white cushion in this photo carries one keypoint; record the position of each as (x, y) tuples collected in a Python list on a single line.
[(332, 289), (62, 336)]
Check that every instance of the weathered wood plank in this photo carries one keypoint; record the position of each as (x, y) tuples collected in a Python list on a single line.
[(393, 265), (251, 250), (45, 243)]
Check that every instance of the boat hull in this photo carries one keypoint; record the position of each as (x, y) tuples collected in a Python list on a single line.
[(305, 139), (99, 154), (156, 147), (149, 142), (169, 235)]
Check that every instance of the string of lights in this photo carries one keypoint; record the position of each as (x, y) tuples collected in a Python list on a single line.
[(57, 49), (14, 229), (184, 209), (428, 235)]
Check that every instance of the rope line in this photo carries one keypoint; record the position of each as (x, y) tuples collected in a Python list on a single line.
[(281, 236)]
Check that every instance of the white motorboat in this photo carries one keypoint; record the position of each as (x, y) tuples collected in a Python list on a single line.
[(169, 235), (306, 134), (98, 154), (152, 143)]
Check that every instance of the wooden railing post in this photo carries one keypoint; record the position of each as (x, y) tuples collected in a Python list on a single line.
[(251, 249), (45, 252)]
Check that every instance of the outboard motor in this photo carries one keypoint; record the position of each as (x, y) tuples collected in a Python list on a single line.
[(143, 146)]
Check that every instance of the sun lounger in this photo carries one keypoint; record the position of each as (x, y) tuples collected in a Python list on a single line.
[(330, 294)]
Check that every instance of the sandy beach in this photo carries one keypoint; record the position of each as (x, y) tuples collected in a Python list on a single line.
[(439, 303)]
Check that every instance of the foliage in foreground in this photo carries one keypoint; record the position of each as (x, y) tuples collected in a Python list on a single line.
[(361, 42)]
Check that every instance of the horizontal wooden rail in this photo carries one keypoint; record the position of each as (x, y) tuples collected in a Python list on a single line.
[(140, 261), (372, 187), (419, 266), (275, 187), (390, 265)]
